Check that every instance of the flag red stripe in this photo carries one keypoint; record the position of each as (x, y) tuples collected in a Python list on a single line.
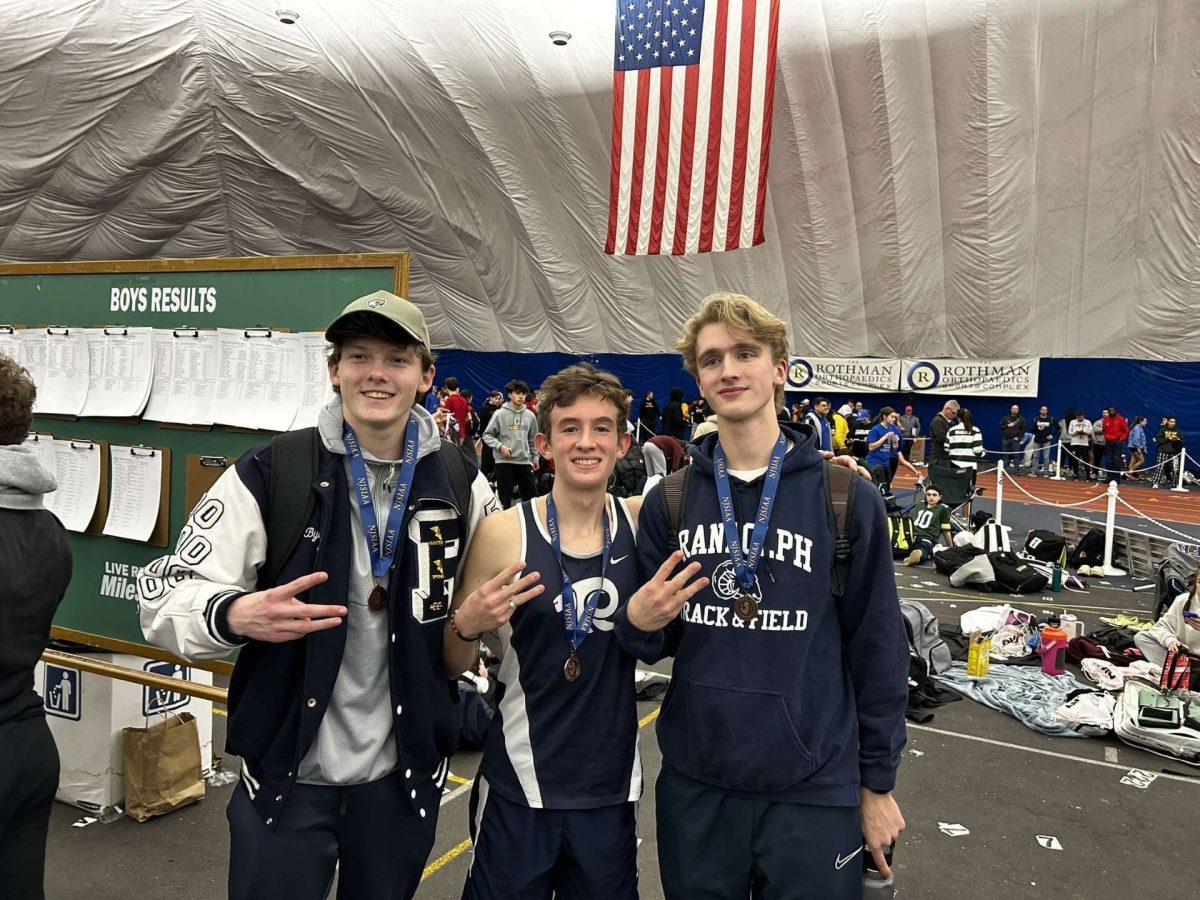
[(614, 177), (737, 187), (639, 161), (687, 145), (715, 106), (768, 106), (660, 162)]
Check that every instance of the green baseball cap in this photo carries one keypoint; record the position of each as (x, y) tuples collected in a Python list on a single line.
[(396, 310)]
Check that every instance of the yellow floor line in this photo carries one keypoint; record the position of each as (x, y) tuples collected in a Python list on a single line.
[(648, 718), (457, 779), (447, 857), (217, 711)]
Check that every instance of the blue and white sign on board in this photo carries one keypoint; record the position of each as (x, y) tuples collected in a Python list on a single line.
[(820, 374), (60, 692), (1002, 377), (160, 700)]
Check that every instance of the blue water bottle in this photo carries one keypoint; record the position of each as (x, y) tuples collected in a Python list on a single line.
[(875, 886)]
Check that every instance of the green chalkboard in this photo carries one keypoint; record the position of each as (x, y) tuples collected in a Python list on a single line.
[(301, 293)]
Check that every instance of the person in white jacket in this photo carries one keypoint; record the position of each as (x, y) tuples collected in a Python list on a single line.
[(1176, 629)]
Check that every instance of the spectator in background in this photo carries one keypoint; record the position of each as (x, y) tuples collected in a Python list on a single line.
[(847, 409), (1044, 433), (1116, 433), (1012, 432), (697, 410), (432, 398), (883, 449), (1170, 444), (471, 430), (910, 425), (938, 429), (1098, 447), (841, 430), (964, 442), (648, 414), (818, 418), (672, 449), (1137, 447), (459, 408), (674, 421), (487, 458), (1079, 442), (35, 569), (510, 434)]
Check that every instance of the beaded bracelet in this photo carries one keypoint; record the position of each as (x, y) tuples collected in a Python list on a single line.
[(458, 634)]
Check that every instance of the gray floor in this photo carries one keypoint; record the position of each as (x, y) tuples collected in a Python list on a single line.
[(970, 766)]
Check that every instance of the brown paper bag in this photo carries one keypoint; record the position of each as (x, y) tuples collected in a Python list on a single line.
[(162, 767)]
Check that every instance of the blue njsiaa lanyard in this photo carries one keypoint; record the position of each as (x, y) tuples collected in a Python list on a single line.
[(382, 548), (744, 566), (577, 628)]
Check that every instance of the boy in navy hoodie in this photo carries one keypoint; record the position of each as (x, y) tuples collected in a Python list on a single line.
[(782, 728)]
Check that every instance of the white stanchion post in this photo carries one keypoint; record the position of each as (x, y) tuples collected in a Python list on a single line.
[(1110, 527), (1181, 462), (1058, 475), (1000, 492)]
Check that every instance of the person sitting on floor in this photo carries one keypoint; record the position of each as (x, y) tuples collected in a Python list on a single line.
[(1176, 629), (931, 521)]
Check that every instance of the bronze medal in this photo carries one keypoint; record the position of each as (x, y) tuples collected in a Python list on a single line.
[(377, 599), (572, 668), (745, 607)]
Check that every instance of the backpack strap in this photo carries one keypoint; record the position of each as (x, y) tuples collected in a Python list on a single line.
[(294, 461), (674, 488), (840, 485), (460, 484)]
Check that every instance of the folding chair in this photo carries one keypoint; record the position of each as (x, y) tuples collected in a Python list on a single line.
[(958, 490)]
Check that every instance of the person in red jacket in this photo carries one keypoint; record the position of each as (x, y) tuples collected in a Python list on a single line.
[(1116, 433), (460, 408)]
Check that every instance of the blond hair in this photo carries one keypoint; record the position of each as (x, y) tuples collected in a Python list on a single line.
[(567, 385), (737, 313)]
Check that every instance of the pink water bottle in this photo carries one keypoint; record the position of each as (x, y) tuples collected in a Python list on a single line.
[(1053, 648)]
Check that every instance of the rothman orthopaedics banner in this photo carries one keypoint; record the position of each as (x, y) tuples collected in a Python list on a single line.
[(826, 375), (1003, 377)]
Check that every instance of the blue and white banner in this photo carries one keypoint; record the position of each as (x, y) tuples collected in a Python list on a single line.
[(828, 375), (1004, 377)]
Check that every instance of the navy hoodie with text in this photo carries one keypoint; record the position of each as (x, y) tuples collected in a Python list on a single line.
[(806, 702)]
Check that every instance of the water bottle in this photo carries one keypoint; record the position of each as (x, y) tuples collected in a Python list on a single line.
[(875, 886), (1056, 578)]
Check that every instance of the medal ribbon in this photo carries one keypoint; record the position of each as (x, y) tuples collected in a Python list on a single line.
[(744, 566), (579, 629), (381, 548)]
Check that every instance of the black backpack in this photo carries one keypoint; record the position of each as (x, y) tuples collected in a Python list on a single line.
[(840, 484), (1046, 546), (1016, 575), (1090, 549), (629, 474), (295, 459)]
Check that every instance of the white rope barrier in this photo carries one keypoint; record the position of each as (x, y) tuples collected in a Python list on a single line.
[(1045, 502), (1191, 538)]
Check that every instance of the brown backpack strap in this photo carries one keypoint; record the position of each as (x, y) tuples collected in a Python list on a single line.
[(840, 484), (674, 486)]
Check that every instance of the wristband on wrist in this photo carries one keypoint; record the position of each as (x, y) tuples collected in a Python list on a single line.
[(458, 634)]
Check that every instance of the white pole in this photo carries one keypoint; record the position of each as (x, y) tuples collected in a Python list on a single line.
[(1000, 492), (1110, 527), (1180, 461), (1058, 475)]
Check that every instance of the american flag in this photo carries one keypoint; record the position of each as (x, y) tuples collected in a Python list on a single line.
[(693, 89)]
